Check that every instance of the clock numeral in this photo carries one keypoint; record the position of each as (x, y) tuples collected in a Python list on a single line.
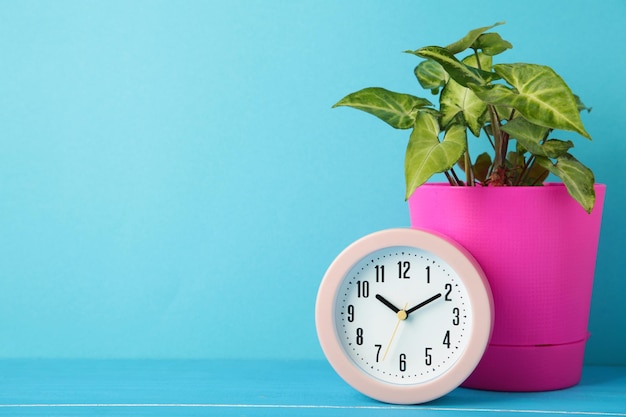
[(448, 292), (350, 313), (429, 358), (380, 273), (428, 275), (446, 339), (378, 347), (359, 336), (402, 362), (403, 269), (456, 319), (363, 289)]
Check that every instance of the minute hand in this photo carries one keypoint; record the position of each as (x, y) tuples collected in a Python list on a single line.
[(423, 303)]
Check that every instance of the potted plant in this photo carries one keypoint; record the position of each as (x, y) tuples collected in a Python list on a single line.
[(536, 240)]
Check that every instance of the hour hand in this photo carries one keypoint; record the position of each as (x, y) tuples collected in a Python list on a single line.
[(387, 303), (423, 303)]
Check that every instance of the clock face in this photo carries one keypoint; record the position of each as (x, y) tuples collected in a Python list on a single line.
[(403, 315)]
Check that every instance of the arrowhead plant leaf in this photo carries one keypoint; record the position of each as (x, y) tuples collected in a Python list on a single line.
[(533, 138), (431, 75), (426, 155), (522, 128), (540, 95), (527, 134), (460, 72), (478, 60), (578, 179), (396, 109), (536, 175), (481, 166), (555, 148), (459, 100), (581, 106), (491, 44), (469, 39)]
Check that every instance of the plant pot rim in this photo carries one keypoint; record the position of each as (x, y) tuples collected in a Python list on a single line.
[(506, 187), (548, 187)]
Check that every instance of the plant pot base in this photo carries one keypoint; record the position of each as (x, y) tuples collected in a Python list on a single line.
[(529, 368)]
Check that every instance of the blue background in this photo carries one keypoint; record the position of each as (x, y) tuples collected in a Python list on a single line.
[(174, 182)]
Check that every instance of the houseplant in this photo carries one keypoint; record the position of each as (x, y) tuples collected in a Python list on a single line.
[(525, 233)]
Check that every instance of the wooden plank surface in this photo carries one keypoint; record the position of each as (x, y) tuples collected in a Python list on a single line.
[(256, 388)]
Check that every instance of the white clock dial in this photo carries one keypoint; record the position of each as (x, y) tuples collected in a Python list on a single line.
[(403, 315)]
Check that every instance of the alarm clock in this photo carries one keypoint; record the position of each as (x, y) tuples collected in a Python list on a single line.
[(404, 315)]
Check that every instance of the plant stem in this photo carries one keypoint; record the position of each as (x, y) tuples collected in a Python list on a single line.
[(490, 170), (477, 59), (495, 130), (469, 170), (450, 179), (456, 177), (525, 170), (538, 177), (501, 145)]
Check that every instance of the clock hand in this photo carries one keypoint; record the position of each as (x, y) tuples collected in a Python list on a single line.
[(387, 303), (423, 303), (402, 315)]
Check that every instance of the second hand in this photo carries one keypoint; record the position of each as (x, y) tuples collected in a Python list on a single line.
[(401, 316)]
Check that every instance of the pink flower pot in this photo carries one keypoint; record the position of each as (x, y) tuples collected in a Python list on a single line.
[(538, 249)]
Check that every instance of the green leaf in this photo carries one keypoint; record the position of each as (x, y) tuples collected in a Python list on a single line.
[(554, 148), (456, 99), (515, 164), (495, 94), (426, 155), (506, 113), (578, 179), (483, 62), (431, 75), (581, 106), (396, 109), (515, 159), (532, 137), (536, 175), (491, 44), (540, 95), (467, 41), (460, 72), (528, 134), (482, 167), (522, 128)]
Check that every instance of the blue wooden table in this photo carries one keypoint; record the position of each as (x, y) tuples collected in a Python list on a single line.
[(268, 388)]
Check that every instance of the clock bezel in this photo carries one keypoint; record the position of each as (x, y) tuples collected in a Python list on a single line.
[(478, 291)]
